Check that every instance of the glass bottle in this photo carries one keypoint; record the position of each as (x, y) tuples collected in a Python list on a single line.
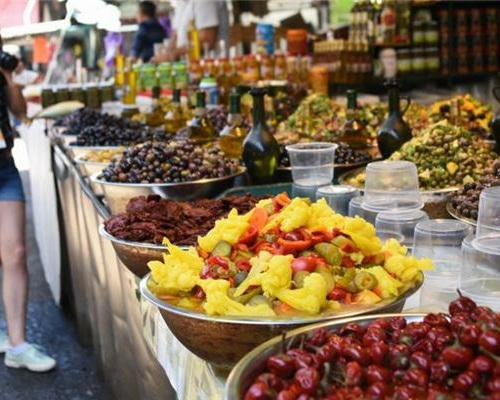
[(394, 131), (260, 149), (233, 134), (353, 130), (155, 115), (175, 117), (200, 128)]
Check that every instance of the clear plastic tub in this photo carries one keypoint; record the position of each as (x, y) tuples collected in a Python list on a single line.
[(386, 235), (441, 241), (338, 196), (400, 221), (391, 185), (312, 163), (355, 208), (480, 273), (488, 220)]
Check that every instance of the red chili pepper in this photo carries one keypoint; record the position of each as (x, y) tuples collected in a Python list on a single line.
[(244, 265), (306, 234), (348, 248), (249, 236), (337, 294), (347, 262), (304, 264), (218, 260), (293, 246), (199, 293)]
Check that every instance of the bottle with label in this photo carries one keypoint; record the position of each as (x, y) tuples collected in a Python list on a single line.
[(130, 88), (194, 39), (175, 118), (394, 131), (155, 115), (388, 23), (260, 149), (233, 134), (353, 130), (200, 129)]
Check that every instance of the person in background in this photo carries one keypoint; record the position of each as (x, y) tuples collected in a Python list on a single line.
[(18, 353), (211, 19), (150, 32)]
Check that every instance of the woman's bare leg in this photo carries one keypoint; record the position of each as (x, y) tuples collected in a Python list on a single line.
[(15, 274)]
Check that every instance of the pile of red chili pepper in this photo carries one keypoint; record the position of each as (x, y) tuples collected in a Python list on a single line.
[(454, 356)]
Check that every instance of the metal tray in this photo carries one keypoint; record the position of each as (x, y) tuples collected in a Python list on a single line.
[(456, 215), (251, 365)]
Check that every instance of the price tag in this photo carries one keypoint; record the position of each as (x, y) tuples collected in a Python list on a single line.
[(3, 143)]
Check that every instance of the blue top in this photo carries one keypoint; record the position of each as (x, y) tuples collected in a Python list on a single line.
[(4, 119), (149, 33)]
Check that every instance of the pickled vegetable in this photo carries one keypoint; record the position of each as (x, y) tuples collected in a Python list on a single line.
[(222, 248), (329, 252), (364, 280)]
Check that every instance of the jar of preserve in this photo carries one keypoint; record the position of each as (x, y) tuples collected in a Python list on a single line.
[(432, 59), (296, 42), (418, 32), (404, 61), (76, 93), (431, 33), (62, 93), (48, 97), (418, 60), (318, 79)]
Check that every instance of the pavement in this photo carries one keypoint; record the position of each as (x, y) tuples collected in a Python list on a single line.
[(76, 377)]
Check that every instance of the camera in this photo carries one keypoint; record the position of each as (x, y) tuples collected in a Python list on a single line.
[(8, 61)]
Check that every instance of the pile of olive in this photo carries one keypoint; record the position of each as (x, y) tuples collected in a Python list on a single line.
[(446, 156), (344, 155), (466, 200), (173, 162)]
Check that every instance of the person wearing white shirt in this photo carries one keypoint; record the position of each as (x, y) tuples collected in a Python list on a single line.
[(211, 19)]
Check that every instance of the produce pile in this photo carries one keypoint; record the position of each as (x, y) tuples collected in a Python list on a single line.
[(173, 162), (285, 258), (75, 121), (451, 356), (344, 155), (446, 155), (465, 201), (150, 219), (465, 111), (102, 156)]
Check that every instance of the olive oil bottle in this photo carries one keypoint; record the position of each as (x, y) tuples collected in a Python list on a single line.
[(155, 115), (233, 134), (200, 129), (175, 117), (260, 149), (394, 131), (353, 130)]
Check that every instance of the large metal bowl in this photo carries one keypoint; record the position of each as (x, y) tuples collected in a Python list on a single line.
[(250, 366), (78, 151), (222, 341), (453, 212), (89, 168), (434, 200), (118, 194), (134, 255)]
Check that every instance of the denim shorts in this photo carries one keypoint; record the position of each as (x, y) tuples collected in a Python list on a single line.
[(11, 187)]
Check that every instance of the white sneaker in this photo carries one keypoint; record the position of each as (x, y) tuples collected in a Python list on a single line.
[(31, 357), (4, 342)]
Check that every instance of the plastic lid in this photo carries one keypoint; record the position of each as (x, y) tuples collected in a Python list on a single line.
[(336, 189), (356, 201), (390, 165), (312, 147), (442, 226), (403, 215), (487, 244)]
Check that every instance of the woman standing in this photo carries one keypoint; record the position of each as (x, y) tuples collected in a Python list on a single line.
[(18, 353)]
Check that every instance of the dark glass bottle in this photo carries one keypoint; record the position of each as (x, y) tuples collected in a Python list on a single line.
[(175, 118), (234, 133), (394, 131), (260, 149), (353, 130)]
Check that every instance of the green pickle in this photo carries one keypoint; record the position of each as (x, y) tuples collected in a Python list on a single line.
[(329, 252), (365, 281), (222, 248)]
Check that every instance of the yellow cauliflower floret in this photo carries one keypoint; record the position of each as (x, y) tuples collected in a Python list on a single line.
[(218, 301), (406, 268), (270, 272), (228, 229), (363, 235), (291, 217), (323, 217), (178, 272), (387, 286), (393, 247), (310, 298)]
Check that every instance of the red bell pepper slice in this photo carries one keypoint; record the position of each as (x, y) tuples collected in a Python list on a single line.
[(347, 262), (348, 248), (280, 201), (337, 294), (218, 260), (244, 265), (258, 218), (293, 246), (250, 235)]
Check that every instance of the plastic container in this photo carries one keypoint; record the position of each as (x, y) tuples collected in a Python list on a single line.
[(441, 241), (386, 235), (400, 221), (391, 185), (480, 273), (338, 196), (355, 208), (312, 163), (488, 219)]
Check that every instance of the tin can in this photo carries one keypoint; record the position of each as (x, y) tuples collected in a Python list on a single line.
[(264, 37)]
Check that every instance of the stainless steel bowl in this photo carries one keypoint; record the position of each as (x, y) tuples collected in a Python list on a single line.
[(250, 366), (134, 255), (222, 341), (88, 168), (118, 194), (78, 151), (456, 215)]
